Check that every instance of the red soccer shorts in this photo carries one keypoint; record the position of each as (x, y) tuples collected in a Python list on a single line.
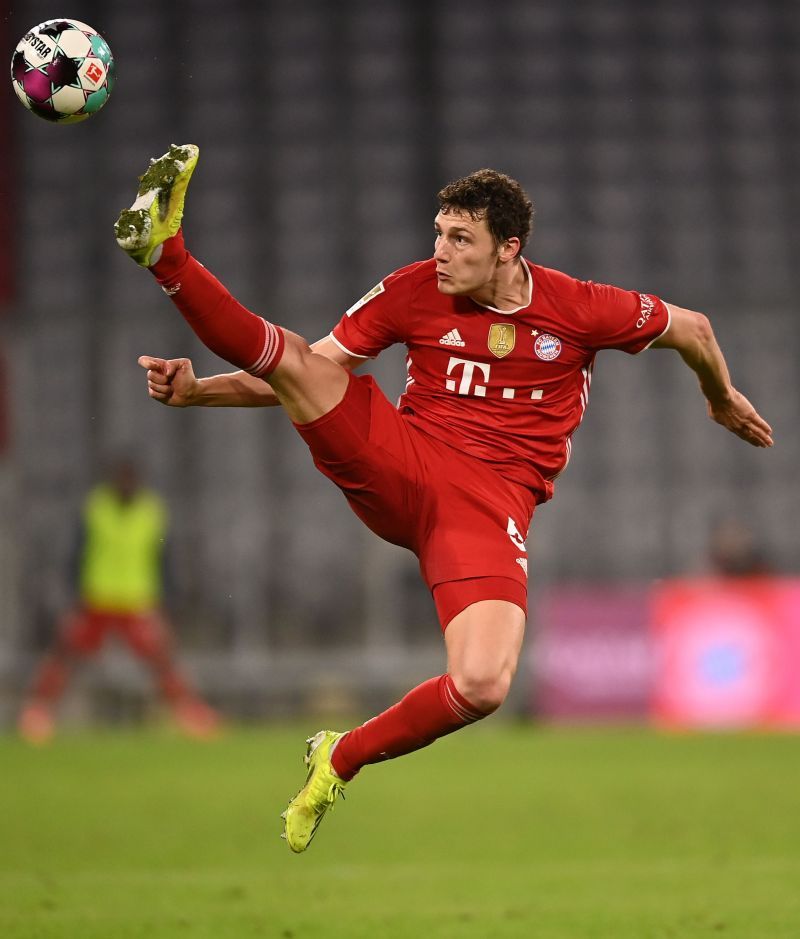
[(85, 631), (464, 521)]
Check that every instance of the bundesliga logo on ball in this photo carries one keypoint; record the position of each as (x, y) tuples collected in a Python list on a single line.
[(63, 71)]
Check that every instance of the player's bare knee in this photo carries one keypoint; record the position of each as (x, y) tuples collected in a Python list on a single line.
[(485, 691)]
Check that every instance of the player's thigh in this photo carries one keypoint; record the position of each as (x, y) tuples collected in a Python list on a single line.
[(366, 449), (483, 647), (83, 631), (475, 527), (486, 636), (146, 634), (308, 385)]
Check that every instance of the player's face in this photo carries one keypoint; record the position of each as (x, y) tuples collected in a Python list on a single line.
[(466, 254)]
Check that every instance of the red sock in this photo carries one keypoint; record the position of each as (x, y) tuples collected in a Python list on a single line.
[(50, 680), (221, 322), (171, 684), (429, 711)]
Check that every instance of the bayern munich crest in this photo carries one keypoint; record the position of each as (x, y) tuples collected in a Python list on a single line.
[(547, 347)]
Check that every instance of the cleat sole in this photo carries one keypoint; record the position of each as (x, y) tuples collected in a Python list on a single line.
[(157, 212)]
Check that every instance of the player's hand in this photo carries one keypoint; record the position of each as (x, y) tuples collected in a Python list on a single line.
[(742, 419), (170, 381)]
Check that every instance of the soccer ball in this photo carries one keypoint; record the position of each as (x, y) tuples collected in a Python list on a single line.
[(63, 71)]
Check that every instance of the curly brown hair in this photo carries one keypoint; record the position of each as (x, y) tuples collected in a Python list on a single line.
[(494, 196)]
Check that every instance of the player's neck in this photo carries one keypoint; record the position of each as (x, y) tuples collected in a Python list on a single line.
[(509, 289)]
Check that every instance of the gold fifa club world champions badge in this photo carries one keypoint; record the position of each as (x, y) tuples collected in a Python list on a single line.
[(501, 339)]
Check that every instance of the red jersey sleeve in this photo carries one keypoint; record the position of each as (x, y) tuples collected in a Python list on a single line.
[(624, 319), (378, 319)]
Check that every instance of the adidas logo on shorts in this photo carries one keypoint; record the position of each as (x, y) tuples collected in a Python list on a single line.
[(452, 339)]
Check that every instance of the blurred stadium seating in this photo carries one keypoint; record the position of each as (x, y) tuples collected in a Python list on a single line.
[(660, 143)]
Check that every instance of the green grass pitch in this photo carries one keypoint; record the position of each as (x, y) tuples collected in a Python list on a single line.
[(500, 831)]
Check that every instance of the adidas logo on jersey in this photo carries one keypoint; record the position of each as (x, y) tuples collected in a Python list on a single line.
[(452, 339)]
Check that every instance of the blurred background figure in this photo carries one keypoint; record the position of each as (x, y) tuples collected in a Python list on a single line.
[(734, 551), (119, 578)]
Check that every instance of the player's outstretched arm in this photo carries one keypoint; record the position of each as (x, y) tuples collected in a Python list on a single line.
[(174, 383), (691, 335)]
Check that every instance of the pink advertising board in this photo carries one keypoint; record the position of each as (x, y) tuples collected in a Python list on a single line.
[(592, 653), (728, 652)]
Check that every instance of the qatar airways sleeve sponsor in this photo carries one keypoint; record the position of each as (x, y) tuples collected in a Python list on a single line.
[(646, 307), (624, 319), (645, 319)]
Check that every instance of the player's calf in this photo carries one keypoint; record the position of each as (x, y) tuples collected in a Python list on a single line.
[(150, 233)]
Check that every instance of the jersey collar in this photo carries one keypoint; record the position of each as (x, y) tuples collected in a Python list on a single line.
[(524, 306)]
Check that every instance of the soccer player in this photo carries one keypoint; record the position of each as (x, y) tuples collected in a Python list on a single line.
[(119, 580), (500, 354)]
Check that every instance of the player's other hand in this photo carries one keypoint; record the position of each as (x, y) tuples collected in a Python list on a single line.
[(742, 419), (170, 381)]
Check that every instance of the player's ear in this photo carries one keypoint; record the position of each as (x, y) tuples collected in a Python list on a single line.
[(510, 248)]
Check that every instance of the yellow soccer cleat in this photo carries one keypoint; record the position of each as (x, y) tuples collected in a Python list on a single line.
[(36, 724), (158, 210), (308, 807)]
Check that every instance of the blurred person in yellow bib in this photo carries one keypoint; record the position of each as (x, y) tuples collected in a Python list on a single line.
[(120, 580)]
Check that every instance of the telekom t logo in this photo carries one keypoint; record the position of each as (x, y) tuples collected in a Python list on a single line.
[(465, 386)]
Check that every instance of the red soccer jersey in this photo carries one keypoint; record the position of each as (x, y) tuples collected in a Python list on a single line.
[(508, 387)]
